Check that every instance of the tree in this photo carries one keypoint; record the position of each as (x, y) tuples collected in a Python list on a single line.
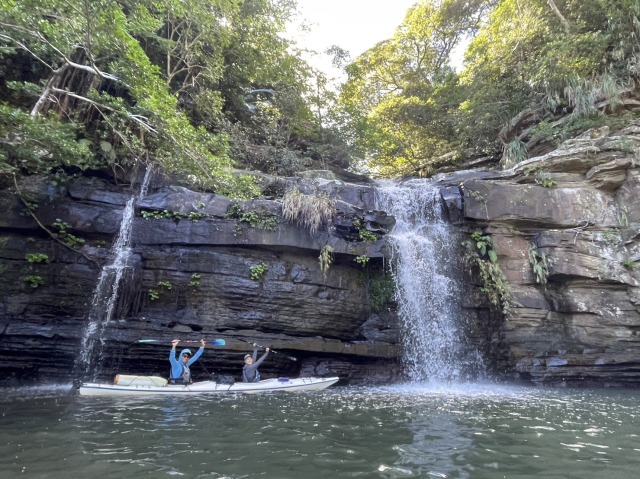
[(399, 92)]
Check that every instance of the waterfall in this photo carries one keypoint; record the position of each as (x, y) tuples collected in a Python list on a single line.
[(112, 276), (425, 265)]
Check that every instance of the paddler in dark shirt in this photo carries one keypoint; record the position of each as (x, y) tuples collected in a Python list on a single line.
[(250, 373)]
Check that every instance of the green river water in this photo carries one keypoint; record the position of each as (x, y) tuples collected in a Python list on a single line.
[(475, 431)]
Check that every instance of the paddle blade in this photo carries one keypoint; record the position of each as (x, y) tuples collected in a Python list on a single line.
[(218, 342), (148, 340)]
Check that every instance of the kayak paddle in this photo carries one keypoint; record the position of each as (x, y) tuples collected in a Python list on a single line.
[(214, 342), (275, 352)]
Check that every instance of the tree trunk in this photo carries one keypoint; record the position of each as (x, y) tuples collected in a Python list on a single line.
[(565, 23)]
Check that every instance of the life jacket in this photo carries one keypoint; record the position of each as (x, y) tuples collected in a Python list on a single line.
[(247, 380), (184, 378)]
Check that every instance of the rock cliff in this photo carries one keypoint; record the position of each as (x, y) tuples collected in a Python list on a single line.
[(191, 275), (566, 230)]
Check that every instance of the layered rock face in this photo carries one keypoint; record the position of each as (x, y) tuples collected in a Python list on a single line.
[(565, 228), (576, 319), (193, 272)]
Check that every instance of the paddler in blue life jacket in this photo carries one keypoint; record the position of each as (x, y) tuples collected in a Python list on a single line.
[(250, 373), (180, 373)]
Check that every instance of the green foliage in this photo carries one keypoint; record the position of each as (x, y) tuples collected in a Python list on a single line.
[(514, 152), (40, 144), (481, 257), (311, 211), (34, 280), (37, 258), (401, 94), (257, 271), (166, 214), (363, 233), (255, 219), (362, 260), (325, 259), (195, 280), (543, 179), (381, 290), (407, 109), (541, 265), (102, 84), (629, 263), (63, 234), (161, 286)]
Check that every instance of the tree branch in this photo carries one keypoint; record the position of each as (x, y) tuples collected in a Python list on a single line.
[(48, 231), (556, 10)]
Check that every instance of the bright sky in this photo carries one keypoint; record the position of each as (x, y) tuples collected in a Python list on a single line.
[(354, 25)]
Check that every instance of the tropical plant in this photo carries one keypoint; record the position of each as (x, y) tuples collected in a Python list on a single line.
[(481, 257)]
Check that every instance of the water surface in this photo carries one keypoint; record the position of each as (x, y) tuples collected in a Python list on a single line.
[(343, 432)]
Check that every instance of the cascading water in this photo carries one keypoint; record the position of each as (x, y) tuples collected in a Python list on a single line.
[(424, 252), (105, 295)]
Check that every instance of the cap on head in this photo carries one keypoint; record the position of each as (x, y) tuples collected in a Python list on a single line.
[(246, 356), (186, 352)]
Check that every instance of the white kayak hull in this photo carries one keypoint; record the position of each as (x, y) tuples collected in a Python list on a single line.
[(208, 387)]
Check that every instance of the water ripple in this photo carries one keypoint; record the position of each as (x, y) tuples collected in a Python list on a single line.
[(460, 431)]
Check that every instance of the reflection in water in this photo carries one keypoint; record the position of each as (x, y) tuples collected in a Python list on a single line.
[(464, 432)]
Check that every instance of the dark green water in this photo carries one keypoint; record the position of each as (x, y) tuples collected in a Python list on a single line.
[(464, 432)]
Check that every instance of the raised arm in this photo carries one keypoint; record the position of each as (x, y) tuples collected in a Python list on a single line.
[(264, 356), (198, 353)]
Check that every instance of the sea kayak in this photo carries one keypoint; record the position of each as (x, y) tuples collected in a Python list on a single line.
[(149, 385)]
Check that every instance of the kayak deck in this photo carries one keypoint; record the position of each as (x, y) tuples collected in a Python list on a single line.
[(209, 387)]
